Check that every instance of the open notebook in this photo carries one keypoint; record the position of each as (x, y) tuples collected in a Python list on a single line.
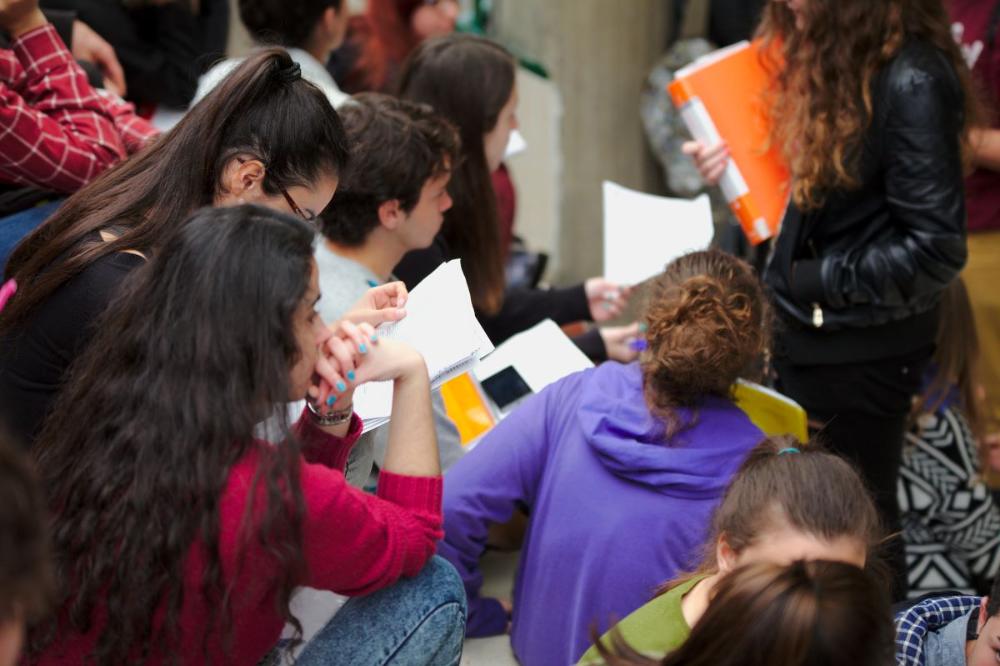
[(441, 325)]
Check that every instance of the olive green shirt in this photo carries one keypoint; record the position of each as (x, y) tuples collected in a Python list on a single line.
[(655, 629)]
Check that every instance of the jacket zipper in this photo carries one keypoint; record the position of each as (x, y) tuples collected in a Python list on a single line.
[(817, 318)]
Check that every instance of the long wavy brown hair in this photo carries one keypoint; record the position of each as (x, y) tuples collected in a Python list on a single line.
[(822, 101), (137, 453), (468, 80)]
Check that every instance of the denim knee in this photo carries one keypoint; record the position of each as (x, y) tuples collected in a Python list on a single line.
[(439, 638), (441, 583)]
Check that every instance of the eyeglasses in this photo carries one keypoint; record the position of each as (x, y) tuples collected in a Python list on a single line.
[(288, 198), (294, 206)]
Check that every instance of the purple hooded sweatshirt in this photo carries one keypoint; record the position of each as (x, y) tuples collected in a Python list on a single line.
[(614, 510)]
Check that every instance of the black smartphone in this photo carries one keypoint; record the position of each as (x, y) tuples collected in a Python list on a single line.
[(505, 387)]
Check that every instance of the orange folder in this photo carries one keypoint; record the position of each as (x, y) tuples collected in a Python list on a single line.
[(465, 406), (721, 97)]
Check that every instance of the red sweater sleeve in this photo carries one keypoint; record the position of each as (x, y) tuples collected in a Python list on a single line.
[(55, 130), (354, 543), (322, 448), (357, 543)]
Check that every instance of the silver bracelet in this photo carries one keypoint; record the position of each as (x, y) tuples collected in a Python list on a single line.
[(333, 418)]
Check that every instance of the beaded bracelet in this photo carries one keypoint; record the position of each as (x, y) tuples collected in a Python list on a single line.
[(333, 418)]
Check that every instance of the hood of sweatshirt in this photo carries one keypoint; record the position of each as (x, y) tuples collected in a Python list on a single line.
[(697, 462)]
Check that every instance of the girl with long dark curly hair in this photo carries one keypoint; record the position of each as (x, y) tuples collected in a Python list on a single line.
[(621, 463), (870, 107), (178, 536)]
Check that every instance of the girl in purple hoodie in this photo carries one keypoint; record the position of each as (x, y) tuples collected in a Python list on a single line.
[(619, 467)]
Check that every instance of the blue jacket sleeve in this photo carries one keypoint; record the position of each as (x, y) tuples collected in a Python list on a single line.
[(486, 486)]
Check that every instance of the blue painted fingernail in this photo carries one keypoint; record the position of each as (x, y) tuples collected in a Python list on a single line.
[(363, 348), (374, 337), (332, 399), (643, 328), (350, 375), (341, 386)]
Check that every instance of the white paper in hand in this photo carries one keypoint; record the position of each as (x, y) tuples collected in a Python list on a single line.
[(645, 232), (441, 324)]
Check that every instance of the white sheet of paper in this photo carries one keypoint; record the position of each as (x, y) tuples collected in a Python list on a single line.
[(541, 355), (441, 324), (515, 145), (645, 232)]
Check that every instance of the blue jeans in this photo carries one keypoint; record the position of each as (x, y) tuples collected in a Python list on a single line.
[(417, 621), (15, 227)]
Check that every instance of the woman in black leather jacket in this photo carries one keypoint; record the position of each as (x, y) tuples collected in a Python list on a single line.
[(870, 109)]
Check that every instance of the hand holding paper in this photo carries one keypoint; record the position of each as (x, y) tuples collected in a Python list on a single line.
[(607, 299), (441, 325)]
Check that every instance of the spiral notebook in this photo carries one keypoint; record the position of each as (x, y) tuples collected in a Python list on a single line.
[(441, 324)]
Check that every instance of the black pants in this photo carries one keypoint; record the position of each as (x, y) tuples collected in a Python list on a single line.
[(861, 411)]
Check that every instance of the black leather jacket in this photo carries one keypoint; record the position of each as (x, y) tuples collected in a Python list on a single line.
[(874, 259)]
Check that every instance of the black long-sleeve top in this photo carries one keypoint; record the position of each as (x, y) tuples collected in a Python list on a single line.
[(163, 48)]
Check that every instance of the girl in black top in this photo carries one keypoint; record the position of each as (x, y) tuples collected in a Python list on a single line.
[(870, 106), (470, 81), (243, 143)]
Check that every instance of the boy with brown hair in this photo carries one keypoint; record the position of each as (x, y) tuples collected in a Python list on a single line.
[(390, 200)]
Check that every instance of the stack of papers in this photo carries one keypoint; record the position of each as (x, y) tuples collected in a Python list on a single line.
[(644, 232), (441, 324)]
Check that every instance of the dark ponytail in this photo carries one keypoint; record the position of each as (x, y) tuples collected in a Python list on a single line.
[(263, 109)]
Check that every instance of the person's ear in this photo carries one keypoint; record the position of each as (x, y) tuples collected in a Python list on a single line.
[(390, 214), (725, 556), (243, 180), (983, 617)]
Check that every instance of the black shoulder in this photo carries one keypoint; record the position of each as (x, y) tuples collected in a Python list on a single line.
[(921, 84), (919, 67)]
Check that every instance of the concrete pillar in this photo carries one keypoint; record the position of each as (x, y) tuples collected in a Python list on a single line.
[(598, 53)]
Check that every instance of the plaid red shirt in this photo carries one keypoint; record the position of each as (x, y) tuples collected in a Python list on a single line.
[(56, 131)]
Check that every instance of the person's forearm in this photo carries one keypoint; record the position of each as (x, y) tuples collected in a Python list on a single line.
[(985, 145), (412, 448)]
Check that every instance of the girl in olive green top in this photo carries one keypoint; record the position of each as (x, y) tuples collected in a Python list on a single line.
[(800, 614), (783, 505)]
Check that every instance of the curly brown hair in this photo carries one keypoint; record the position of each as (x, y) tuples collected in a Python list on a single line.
[(822, 101), (707, 321)]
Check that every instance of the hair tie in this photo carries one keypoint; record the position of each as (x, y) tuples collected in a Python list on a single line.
[(790, 449), (290, 73), (6, 291)]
